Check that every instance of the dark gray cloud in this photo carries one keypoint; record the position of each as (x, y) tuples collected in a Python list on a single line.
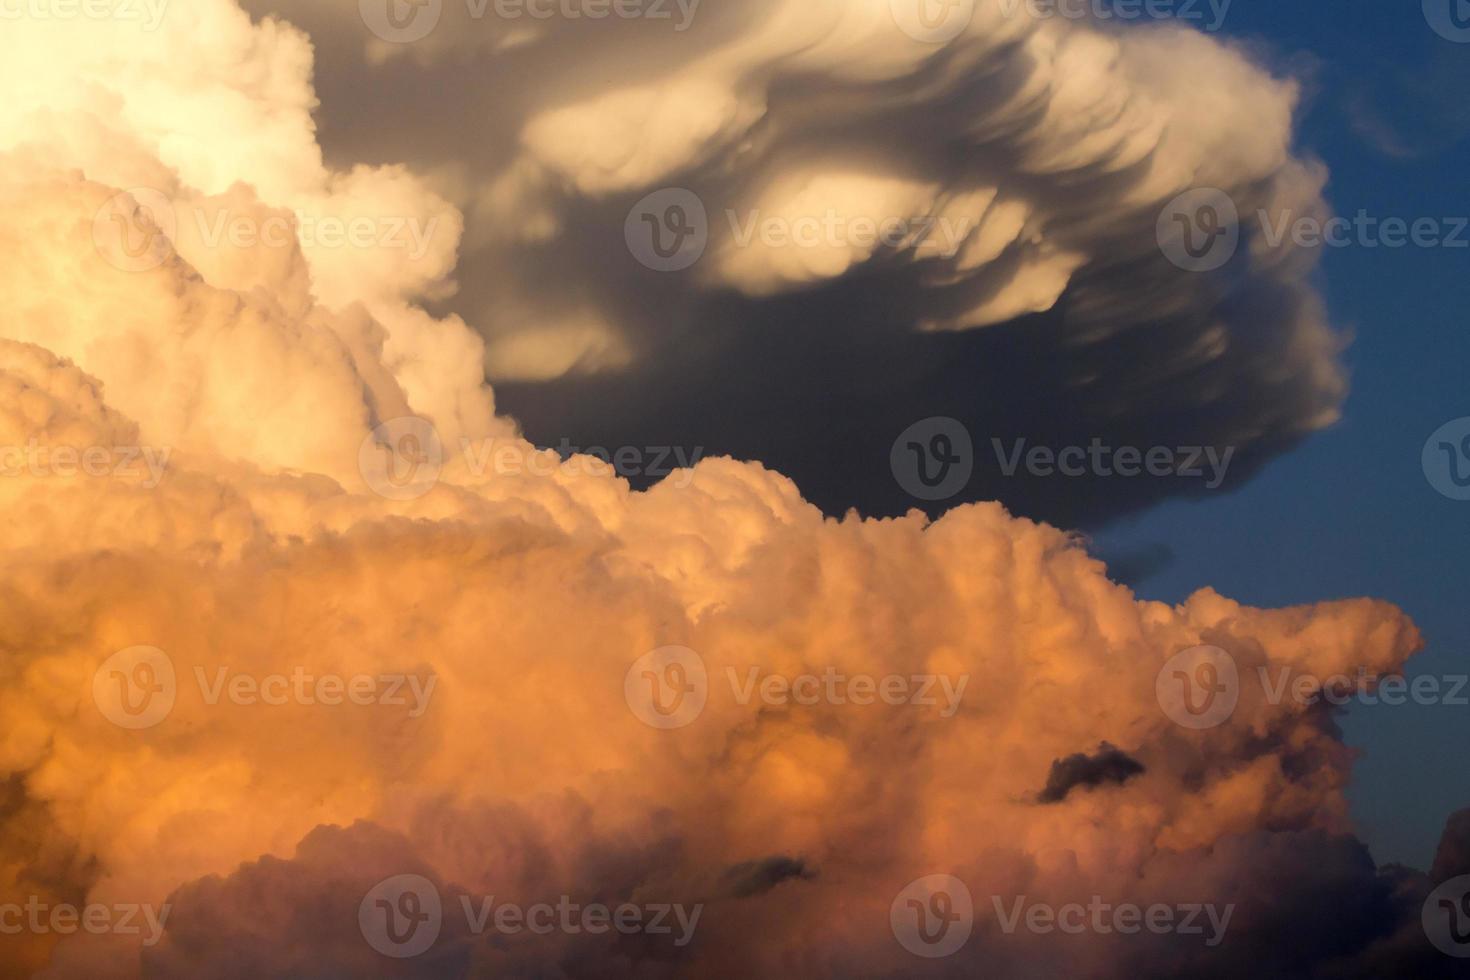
[(1108, 764), (1059, 322)]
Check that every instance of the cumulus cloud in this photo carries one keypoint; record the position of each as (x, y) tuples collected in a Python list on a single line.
[(249, 689)]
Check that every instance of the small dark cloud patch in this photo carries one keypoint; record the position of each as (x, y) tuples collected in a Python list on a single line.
[(751, 878), (1108, 765)]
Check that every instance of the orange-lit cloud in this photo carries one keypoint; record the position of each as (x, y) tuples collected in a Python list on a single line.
[(355, 687)]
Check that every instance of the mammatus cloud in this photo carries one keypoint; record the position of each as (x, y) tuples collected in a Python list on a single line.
[(868, 228), (271, 696)]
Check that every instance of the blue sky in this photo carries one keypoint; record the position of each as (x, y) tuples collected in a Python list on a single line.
[(1351, 513)]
